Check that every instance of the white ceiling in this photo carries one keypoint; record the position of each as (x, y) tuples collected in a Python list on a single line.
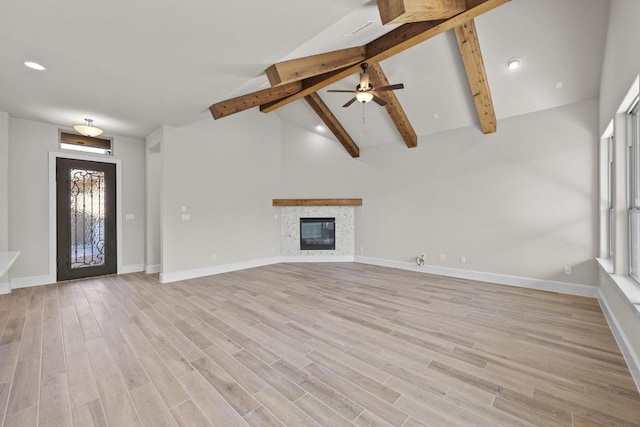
[(134, 65)]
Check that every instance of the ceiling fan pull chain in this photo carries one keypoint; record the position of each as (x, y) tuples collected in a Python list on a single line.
[(362, 112)]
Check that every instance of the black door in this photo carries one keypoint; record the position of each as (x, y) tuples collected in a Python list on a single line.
[(86, 218)]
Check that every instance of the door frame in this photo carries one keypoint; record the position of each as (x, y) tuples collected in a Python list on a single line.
[(53, 156)]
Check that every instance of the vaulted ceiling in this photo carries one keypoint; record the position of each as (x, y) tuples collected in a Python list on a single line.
[(134, 66)]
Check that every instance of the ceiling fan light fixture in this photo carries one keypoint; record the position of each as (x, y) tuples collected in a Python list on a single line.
[(514, 63), (88, 129), (364, 97)]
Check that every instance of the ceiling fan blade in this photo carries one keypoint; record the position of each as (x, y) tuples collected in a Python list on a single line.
[(389, 87), (351, 101), (340, 91), (381, 102)]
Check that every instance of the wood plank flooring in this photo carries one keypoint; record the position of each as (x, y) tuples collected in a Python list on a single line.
[(308, 345)]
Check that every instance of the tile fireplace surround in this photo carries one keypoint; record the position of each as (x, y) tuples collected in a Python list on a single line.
[(343, 210)]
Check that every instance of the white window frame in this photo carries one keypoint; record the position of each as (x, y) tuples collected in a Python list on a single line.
[(633, 185)]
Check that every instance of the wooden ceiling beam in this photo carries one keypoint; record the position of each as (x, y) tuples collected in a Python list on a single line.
[(392, 43), (393, 107), (402, 11), (333, 124), (309, 66), (244, 102), (474, 65)]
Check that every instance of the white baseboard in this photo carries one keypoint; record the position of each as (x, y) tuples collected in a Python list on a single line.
[(27, 282), (480, 276), (317, 258), (217, 269), (632, 359), (5, 288), (152, 269), (131, 268)]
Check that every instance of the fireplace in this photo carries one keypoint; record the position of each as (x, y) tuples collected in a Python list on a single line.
[(317, 234)]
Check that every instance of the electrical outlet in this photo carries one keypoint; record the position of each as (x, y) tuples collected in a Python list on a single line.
[(213, 257), (463, 260), (567, 270), (442, 257), (361, 248)]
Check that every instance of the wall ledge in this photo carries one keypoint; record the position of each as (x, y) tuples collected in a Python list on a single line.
[(626, 286)]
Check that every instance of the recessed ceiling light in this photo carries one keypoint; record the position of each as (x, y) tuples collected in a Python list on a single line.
[(319, 128), (514, 63), (34, 65)]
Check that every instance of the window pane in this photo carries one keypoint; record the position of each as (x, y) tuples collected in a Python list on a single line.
[(634, 233), (634, 193), (610, 197)]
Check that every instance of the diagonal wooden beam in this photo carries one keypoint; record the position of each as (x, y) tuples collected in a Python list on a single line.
[(244, 102), (392, 43), (393, 107), (474, 65), (333, 124), (399, 11), (309, 66)]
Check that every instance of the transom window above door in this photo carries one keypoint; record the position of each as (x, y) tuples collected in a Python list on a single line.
[(86, 144)]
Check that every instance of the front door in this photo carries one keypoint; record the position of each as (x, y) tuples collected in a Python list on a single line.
[(86, 218)]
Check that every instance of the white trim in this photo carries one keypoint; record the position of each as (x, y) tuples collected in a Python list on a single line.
[(631, 95), (5, 288), (131, 268), (6, 261), (481, 276), (626, 286), (217, 269), (318, 258), (53, 155), (633, 362), (31, 281), (152, 269)]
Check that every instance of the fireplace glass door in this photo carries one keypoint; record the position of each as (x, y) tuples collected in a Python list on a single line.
[(317, 234)]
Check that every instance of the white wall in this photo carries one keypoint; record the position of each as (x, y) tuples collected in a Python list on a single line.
[(225, 173), (621, 59), (153, 187), (520, 202), (132, 153), (29, 146), (4, 182)]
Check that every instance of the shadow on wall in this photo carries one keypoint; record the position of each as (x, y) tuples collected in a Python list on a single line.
[(585, 273)]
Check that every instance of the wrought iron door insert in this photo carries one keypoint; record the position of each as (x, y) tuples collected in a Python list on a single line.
[(86, 219)]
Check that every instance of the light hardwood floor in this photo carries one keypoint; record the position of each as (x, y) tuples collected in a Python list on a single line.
[(308, 344)]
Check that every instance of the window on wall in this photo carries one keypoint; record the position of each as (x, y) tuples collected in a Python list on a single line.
[(634, 191), (610, 213), (71, 141)]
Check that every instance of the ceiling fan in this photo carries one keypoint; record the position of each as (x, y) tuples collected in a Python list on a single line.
[(365, 91)]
